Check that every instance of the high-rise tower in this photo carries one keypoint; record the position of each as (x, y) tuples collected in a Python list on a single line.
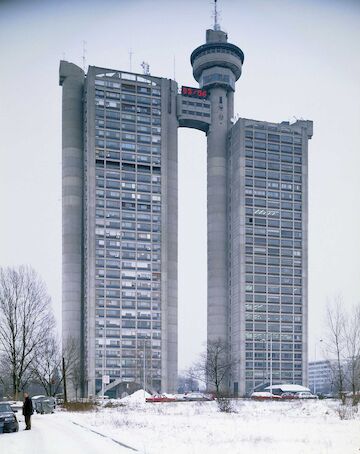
[(216, 66), (120, 225)]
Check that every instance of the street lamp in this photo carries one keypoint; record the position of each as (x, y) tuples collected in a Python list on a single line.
[(316, 343)]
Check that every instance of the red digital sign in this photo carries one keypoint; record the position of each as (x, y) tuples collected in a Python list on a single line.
[(194, 92)]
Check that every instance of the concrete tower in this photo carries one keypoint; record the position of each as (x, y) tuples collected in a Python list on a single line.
[(216, 66), (72, 81)]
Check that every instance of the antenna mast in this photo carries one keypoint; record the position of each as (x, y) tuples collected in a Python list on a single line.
[(216, 17), (130, 58), (84, 55)]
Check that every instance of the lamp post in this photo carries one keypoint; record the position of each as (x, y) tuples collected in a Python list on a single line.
[(317, 342), (144, 367)]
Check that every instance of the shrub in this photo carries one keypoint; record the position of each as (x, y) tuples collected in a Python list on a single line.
[(346, 411), (79, 406), (225, 405)]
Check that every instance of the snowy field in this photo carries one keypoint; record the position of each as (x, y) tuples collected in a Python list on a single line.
[(289, 427)]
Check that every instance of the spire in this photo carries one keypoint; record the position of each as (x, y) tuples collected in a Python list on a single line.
[(216, 15)]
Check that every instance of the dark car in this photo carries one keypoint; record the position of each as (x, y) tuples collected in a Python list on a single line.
[(8, 420)]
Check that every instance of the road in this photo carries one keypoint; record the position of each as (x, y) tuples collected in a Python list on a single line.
[(57, 434)]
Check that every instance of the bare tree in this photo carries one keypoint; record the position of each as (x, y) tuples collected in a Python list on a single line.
[(214, 366), (71, 366), (335, 343), (352, 351), (25, 320), (47, 365)]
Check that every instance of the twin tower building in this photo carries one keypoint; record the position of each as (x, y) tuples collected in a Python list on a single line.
[(120, 226)]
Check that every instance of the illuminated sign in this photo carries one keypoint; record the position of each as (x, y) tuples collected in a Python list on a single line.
[(194, 92)]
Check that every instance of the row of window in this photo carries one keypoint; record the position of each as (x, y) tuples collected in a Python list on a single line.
[(128, 86), (274, 157), (272, 308), (272, 251), (272, 289), (128, 255), (128, 207), (129, 167), (276, 261), (126, 96), (273, 318), (115, 304), (128, 245), (272, 232), (271, 137), (141, 178), (127, 235), (275, 356), (263, 241), (125, 314), (130, 136), (273, 185), (116, 214), (257, 217), (264, 278), (110, 128), (195, 112), (257, 164), (102, 114), (274, 175)]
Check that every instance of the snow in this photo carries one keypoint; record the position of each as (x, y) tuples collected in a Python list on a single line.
[(296, 427), (56, 434), (276, 427), (289, 388), (136, 397)]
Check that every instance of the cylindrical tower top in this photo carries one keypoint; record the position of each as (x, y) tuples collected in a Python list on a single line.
[(217, 63)]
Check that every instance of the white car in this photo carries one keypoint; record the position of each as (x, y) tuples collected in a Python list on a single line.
[(306, 395), (196, 396), (263, 395)]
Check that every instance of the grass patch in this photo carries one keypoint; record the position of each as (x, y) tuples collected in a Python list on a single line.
[(79, 406)]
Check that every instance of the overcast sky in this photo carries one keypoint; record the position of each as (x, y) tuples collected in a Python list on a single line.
[(301, 60)]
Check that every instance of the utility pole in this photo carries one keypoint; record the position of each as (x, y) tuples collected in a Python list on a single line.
[(320, 340), (144, 367), (271, 373), (64, 379)]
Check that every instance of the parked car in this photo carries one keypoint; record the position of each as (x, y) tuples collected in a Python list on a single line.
[(160, 398), (289, 395), (198, 396), (264, 395), (306, 395), (8, 420)]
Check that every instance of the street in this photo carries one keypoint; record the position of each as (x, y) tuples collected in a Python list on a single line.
[(57, 434)]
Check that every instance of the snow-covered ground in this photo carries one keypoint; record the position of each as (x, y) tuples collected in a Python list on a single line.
[(292, 427)]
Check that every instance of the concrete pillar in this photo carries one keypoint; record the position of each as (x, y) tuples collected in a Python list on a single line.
[(217, 216), (72, 81)]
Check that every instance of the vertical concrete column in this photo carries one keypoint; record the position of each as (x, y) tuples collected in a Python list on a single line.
[(169, 237), (217, 316), (72, 81)]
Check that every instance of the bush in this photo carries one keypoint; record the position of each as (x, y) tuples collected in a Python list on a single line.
[(114, 404), (346, 411), (79, 406), (225, 405)]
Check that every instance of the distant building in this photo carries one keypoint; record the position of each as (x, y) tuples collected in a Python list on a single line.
[(321, 377)]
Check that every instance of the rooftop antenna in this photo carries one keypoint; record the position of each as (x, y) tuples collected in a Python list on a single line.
[(216, 15), (146, 68), (174, 67), (84, 55), (130, 58)]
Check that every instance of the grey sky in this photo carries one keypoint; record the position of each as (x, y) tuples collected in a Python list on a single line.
[(301, 59)]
